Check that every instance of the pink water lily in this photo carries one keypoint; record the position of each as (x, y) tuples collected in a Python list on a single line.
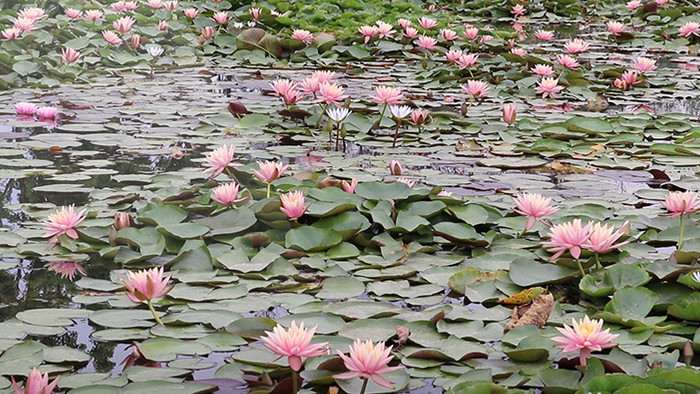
[(535, 207), (36, 384), (302, 35), (294, 343), (293, 205), (63, 221), (368, 361), (387, 95), (602, 238), (544, 35), (349, 187), (585, 336), (25, 108), (226, 194), (220, 159), (270, 170), (67, 269), (679, 203), (569, 236), (548, 87), (146, 285)]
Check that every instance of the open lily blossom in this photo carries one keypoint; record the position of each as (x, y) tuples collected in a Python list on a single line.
[(73, 13), (427, 23), (48, 112), (368, 361), (542, 70), (25, 108), (288, 91), (690, 29), (467, 60), (400, 111), (448, 34), (644, 64), (124, 24), (534, 206), (154, 50), (568, 62), (67, 269), (577, 45), (544, 35), (368, 32), (331, 93), (426, 43), (70, 55), (24, 24), (411, 32), (385, 30), (63, 221), (338, 114), (696, 276), (452, 55), (294, 343), (615, 28), (586, 336), (548, 87), (220, 159), (602, 238), (570, 236), (387, 95), (302, 35), (11, 33), (476, 88), (323, 76), (679, 203), (36, 384)]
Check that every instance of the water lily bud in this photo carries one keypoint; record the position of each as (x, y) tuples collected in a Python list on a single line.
[(509, 113), (122, 220)]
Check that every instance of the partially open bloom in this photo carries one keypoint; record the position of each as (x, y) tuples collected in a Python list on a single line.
[(448, 34), (162, 26), (146, 285), (220, 159), (395, 168), (633, 4), (155, 3), (630, 77), (406, 181), (119, 6), (293, 343), (302, 35), (387, 95), (576, 45), (476, 88), (518, 51), (548, 87), (36, 384), (426, 43), (135, 40), (124, 24), (25, 108), (418, 117), (48, 112), (452, 55), (615, 28), (404, 23), (287, 90), (171, 5), (220, 17), (368, 361), (568, 62), (11, 33), (111, 37), (63, 221), (93, 15), (467, 60), (207, 32), (331, 93), (70, 55), (569, 236), (349, 187), (534, 206), (510, 111), (602, 238), (368, 32), (542, 70), (690, 28), (191, 13), (293, 205), (67, 269), (323, 75), (255, 12), (226, 194), (427, 23), (644, 64), (338, 114), (270, 170), (585, 336), (154, 50), (679, 203), (471, 32), (544, 35)]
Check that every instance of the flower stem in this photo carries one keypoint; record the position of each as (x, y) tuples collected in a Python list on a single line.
[(364, 386), (381, 116), (597, 261), (583, 356), (680, 236), (396, 132), (269, 185), (155, 315), (323, 111), (294, 382), (580, 268)]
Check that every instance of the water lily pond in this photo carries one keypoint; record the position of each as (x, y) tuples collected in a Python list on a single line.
[(450, 196)]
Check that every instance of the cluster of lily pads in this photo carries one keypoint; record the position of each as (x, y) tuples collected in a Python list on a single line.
[(426, 275)]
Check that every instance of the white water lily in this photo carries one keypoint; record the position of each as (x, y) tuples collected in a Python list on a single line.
[(696, 276), (400, 111), (154, 50), (338, 114)]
